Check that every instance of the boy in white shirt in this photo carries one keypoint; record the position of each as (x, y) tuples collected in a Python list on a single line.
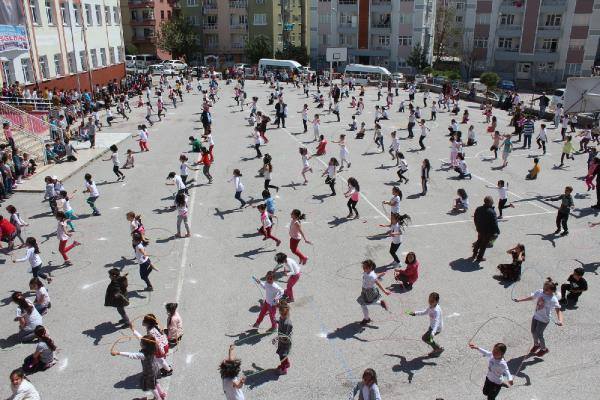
[(434, 311), (498, 371)]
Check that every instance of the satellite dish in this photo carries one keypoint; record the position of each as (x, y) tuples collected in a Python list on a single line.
[(582, 95)]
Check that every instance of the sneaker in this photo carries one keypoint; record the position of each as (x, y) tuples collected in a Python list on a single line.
[(534, 349), (255, 326), (365, 321), (272, 329), (542, 352), (556, 232), (565, 233), (436, 351)]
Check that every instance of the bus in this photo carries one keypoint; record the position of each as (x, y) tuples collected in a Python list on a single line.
[(270, 65), (364, 74)]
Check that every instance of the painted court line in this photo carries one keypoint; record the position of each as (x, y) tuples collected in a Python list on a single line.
[(462, 221), (362, 195)]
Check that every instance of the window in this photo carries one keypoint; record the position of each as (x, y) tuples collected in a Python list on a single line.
[(27, 69), (383, 40), (43, 64), (83, 60), (103, 57), (49, 13), (459, 18), (94, 58), (211, 21), (460, 6), (64, 13), (324, 18), (111, 51), (193, 19), (483, 19), (574, 69), (261, 19), (507, 19), (405, 41), (88, 15), (545, 67), (260, 1), (134, 15), (35, 14), (403, 19), (121, 51), (581, 19), (505, 43), (116, 15), (345, 19), (550, 44), (107, 15), (72, 64), (553, 20), (324, 40), (577, 44), (98, 15), (192, 3), (168, 14), (58, 65), (480, 43), (212, 41), (162, 14), (77, 12)]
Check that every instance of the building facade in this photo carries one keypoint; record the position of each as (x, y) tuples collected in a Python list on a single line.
[(376, 32), (283, 22), (534, 42), (72, 44), (141, 23)]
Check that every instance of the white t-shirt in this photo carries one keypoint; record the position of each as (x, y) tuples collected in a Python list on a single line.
[(232, 393), (436, 322), (42, 297), (91, 187), (545, 304), (502, 193), (237, 182), (184, 169), (115, 158), (139, 256), (395, 228), (179, 182), (61, 233), (293, 266), (369, 279), (395, 204), (31, 320)]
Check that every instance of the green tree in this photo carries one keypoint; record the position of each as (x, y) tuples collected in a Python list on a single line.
[(296, 53), (131, 49), (447, 35), (258, 47), (490, 80), (177, 36), (418, 58)]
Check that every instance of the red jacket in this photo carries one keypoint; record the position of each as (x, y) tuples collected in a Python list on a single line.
[(6, 228), (412, 272)]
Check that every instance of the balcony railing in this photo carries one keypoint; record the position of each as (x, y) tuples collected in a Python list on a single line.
[(238, 4), (237, 45), (243, 27), (210, 27), (350, 2), (381, 25), (542, 50), (381, 2), (143, 22), (549, 27), (141, 3), (144, 39), (509, 49)]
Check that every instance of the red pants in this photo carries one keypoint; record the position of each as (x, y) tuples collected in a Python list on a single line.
[(267, 233), (262, 135), (294, 249), (144, 146), (263, 310), (63, 249), (284, 365), (289, 290)]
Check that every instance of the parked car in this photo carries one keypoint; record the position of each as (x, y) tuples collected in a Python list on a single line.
[(176, 65), (160, 69), (558, 97), (479, 87), (439, 80), (397, 76), (507, 85), (420, 79)]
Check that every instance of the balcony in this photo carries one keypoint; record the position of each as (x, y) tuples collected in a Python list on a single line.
[(239, 27), (509, 30), (143, 22), (238, 45), (508, 7), (143, 39), (381, 5), (549, 32), (238, 4), (134, 4), (210, 27), (553, 6)]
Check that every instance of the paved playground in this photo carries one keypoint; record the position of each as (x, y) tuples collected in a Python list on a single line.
[(209, 274)]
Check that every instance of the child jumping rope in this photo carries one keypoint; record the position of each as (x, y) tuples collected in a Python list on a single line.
[(434, 311)]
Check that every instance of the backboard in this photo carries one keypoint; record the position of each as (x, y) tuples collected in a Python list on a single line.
[(337, 54)]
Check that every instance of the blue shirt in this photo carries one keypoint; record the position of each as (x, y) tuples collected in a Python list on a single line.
[(270, 203)]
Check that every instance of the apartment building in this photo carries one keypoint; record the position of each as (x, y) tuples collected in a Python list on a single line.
[(222, 27), (72, 44), (141, 23), (283, 22), (535, 42), (376, 32)]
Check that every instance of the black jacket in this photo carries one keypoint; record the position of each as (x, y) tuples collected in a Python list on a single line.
[(486, 221), (116, 293)]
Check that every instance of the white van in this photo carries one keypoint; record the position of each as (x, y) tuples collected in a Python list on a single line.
[(130, 61), (363, 74), (146, 60), (558, 97), (267, 64)]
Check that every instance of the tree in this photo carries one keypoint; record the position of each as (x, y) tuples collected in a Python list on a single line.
[(447, 34), (418, 58), (177, 36), (131, 48), (296, 53), (490, 80), (258, 47)]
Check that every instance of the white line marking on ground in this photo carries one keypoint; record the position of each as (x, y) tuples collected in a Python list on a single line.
[(513, 193), (362, 194), (115, 208), (453, 315), (89, 285), (462, 221), (189, 358), (63, 364), (102, 238)]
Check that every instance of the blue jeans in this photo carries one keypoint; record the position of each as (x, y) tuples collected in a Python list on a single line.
[(238, 196)]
